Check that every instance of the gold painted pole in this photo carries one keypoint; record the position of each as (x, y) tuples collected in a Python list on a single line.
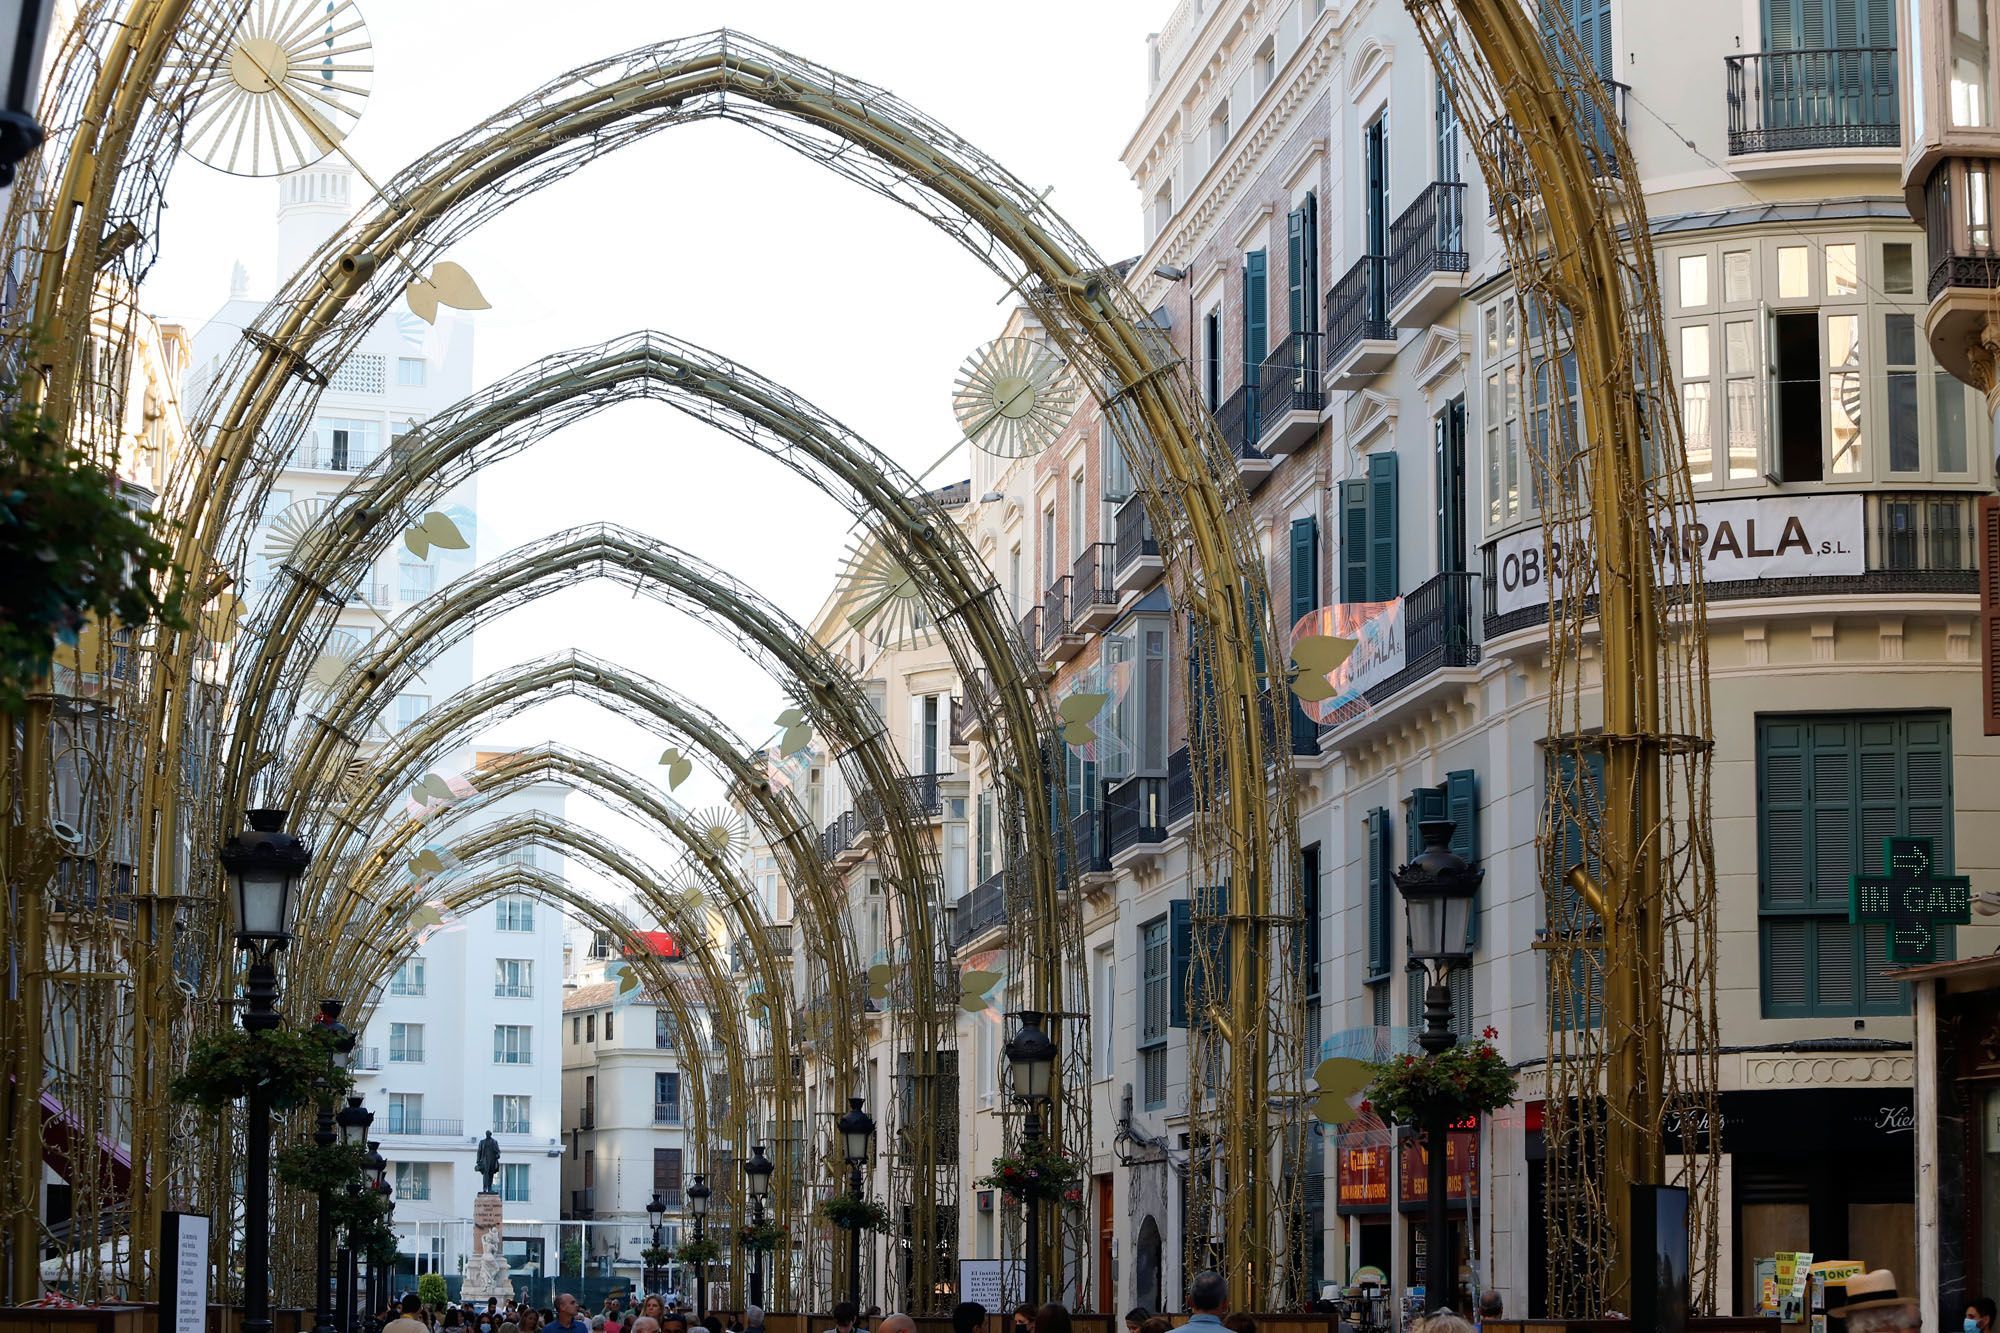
[(30, 945)]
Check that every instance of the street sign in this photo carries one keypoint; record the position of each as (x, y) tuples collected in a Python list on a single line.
[(1911, 899)]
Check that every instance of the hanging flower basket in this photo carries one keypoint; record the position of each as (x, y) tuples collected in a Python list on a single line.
[(1469, 1079), (761, 1237), (1039, 1170), (312, 1169), (852, 1214), (294, 1067), (656, 1256), (703, 1251)]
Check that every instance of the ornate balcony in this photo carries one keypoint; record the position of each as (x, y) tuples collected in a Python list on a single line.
[(1061, 639), (1289, 395), (1139, 564), (1093, 588), (1360, 340), (1427, 258), (1134, 817), (1813, 100), (982, 910), (1959, 235), (1237, 418)]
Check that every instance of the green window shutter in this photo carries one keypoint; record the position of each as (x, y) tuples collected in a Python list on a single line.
[(1461, 807), (1305, 567), (1784, 832), (1210, 983), (1787, 963), (1180, 949), (1830, 773), (1309, 907), (1380, 950), (1354, 541), (1383, 582), (1298, 296), (1421, 804), (1256, 317), (1309, 282)]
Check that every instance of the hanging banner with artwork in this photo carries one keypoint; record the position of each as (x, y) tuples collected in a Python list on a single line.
[(1377, 631)]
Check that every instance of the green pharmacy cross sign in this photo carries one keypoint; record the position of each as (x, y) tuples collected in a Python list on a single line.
[(1910, 899)]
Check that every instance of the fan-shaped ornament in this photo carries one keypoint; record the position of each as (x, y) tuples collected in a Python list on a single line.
[(887, 601), (297, 533), (1014, 396), (722, 832), (278, 88), (343, 649)]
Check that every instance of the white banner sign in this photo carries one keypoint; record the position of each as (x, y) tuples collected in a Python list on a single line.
[(1773, 536), (183, 1272), (996, 1284)]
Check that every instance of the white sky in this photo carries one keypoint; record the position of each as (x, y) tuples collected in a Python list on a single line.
[(715, 234)]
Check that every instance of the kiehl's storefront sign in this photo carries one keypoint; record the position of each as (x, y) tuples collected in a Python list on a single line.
[(1772, 536)]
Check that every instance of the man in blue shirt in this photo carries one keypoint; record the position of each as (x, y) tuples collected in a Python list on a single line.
[(1208, 1297), (566, 1320)]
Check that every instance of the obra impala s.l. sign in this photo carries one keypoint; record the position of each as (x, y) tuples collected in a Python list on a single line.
[(1773, 536)]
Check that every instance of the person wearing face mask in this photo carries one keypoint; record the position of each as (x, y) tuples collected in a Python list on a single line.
[(1979, 1315)]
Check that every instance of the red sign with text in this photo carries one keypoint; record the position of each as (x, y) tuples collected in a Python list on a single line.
[(1461, 1165)]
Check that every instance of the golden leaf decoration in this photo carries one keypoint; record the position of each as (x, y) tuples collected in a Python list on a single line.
[(795, 739), (791, 717), (223, 617), (678, 766), (1322, 653), (1340, 1079), (880, 977), (1081, 707), (973, 986), (431, 789), (1078, 733), (1313, 689), (449, 284), (426, 862)]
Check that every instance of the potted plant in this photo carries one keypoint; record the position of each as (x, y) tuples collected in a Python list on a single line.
[(702, 1251), (852, 1214), (761, 1237), (1038, 1170), (294, 1066), (1469, 1079), (656, 1256), (432, 1291)]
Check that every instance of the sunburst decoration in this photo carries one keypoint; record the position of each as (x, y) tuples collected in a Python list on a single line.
[(722, 832), (297, 534), (1014, 397), (276, 86), (343, 649), (887, 601)]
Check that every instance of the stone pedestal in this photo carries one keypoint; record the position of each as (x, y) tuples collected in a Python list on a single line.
[(486, 1274)]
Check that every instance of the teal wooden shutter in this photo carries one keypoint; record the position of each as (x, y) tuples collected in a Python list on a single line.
[(1383, 583), (1298, 298), (1256, 316), (1354, 541), (1379, 946), (1211, 985), (1180, 953), (1305, 567), (1309, 315), (1461, 807), (1421, 804)]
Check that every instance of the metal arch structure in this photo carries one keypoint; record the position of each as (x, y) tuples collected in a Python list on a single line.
[(1572, 214), (1239, 762)]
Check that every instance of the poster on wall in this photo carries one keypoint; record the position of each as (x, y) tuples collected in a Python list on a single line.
[(1772, 536), (997, 1284), (182, 1265)]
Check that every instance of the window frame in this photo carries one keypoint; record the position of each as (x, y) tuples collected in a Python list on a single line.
[(513, 1044)]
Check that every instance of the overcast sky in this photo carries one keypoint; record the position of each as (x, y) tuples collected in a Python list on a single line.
[(715, 234)]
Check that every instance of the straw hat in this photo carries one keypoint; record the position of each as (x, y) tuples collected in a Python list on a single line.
[(1872, 1291)]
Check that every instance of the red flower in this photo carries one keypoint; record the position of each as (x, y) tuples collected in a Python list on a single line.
[(1490, 1032)]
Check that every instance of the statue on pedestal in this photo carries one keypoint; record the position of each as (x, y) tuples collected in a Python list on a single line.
[(488, 1162), (487, 1274)]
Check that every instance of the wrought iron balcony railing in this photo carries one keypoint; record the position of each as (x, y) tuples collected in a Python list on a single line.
[(1087, 851), (1180, 787), (1055, 614), (1031, 630), (1428, 238), (1828, 97), (1093, 583), (1289, 381), (1135, 535), (666, 1113), (410, 1124), (1238, 419), (1134, 813), (979, 911), (924, 794), (1357, 309), (1959, 226)]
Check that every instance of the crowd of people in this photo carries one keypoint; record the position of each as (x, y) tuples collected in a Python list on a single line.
[(652, 1315)]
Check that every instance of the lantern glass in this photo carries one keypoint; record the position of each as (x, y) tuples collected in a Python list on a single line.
[(757, 1173), (1031, 1058), (857, 1128), (655, 1209), (697, 1197)]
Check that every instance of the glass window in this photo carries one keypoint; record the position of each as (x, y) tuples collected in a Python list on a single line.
[(514, 1182), (410, 372), (513, 978), (1740, 363), (1898, 270), (1794, 273), (1842, 275), (1899, 374), (1843, 391), (663, 1030), (1950, 422), (409, 978), (406, 1043), (1694, 281), (1154, 1011), (515, 914), (406, 1113), (417, 578), (1971, 93), (513, 1044), (1735, 276), (1696, 393), (413, 1180), (410, 707), (510, 1114), (666, 1098)]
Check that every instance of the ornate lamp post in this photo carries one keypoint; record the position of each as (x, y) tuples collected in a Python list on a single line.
[(697, 1200), (857, 1131), (1438, 889), (262, 863), (1031, 1060), (324, 1138), (353, 1120), (757, 1184), (656, 1208), (20, 134), (378, 1167)]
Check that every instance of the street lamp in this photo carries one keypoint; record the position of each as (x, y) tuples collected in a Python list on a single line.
[(656, 1208), (375, 1171), (324, 1137), (262, 863), (697, 1202), (857, 1129), (352, 1122), (20, 133), (757, 1184), (1438, 888), (1031, 1060)]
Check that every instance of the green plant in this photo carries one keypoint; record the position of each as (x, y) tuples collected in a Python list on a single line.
[(432, 1291), (295, 1066), (311, 1168), (1040, 1170), (852, 1214), (761, 1237), (72, 550), (703, 1251), (656, 1256), (572, 1256), (1469, 1079)]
